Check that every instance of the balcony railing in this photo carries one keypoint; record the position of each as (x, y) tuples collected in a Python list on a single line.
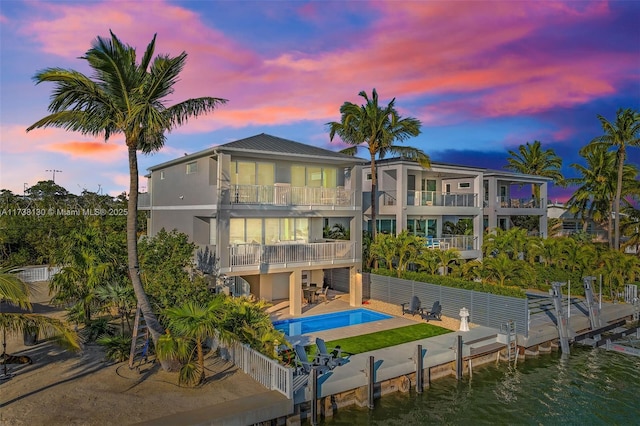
[(519, 203), (432, 198), (283, 253), (286, 195), (460, 242)]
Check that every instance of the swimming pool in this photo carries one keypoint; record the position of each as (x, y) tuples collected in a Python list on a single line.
[(304, 325)]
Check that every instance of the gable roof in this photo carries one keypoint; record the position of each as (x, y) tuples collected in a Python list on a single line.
[(268, 144), (264, 145)]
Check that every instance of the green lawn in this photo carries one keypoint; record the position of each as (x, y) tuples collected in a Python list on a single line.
[(383, 339)]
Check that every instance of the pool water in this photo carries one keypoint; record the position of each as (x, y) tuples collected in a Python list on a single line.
[(304, 325)]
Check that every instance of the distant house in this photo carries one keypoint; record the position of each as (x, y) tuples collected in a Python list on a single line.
[(262, 205), (571, 223), (422, 201)]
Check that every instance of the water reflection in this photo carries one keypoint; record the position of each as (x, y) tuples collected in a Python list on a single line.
[(589, 387)]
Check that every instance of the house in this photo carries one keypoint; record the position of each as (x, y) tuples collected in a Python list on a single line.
[(570, 224), (434, 202), (262, 204)]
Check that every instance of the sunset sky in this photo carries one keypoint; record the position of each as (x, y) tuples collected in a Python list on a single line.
[(483, 76)]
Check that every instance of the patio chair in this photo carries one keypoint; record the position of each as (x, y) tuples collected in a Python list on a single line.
[(303, 363), (435, 312), (331, 359), (322, 294), (414, 306)]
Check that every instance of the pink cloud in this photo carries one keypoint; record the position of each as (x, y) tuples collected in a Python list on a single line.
[(99, 151), (437, 48)]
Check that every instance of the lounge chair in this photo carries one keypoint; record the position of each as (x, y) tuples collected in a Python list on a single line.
[(303, 363), (331, 359), (322, 294), (435, 312), (414, 306)]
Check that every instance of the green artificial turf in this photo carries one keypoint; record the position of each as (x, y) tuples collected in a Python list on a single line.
[(383, 339)]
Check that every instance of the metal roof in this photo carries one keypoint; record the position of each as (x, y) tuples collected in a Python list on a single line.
[(264, 144), (268, 143)]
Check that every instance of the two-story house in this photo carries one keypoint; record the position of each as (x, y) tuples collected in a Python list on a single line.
[(263, 204), (450, 205)]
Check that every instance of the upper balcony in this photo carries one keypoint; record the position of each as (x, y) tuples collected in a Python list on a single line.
[(291, 253), (281, 194), (516, 203), (432, 198)]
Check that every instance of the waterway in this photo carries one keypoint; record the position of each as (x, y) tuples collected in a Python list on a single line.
[(589, 387)]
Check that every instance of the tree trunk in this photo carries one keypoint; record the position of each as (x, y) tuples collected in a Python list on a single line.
[(616, 223), (132, 248), (374, 189)]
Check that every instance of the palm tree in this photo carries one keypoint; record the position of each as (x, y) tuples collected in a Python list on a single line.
[(124, 97), (377, 129), (190, 324), (15, 292), (532, 160), (623, 133), (594, 198)]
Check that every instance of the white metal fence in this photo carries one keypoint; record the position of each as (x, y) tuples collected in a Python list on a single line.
[(31, 274), (261, 368)]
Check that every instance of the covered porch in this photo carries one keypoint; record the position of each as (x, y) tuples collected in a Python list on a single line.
[(292, 290)]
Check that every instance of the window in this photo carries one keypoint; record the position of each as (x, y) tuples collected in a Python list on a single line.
[(162, 175), (368, 176), (268, 230), (462, 185), (192, 167)]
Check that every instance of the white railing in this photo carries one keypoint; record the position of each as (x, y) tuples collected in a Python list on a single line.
[(266, 371), (31, 274), (254, 254), (460, 242), (435, 198), (286, 195), (519, 203)]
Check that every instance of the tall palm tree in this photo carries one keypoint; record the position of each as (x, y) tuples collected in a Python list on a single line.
[(623, 133), (377, 129), (532, 160), (594, 198), (128, 98)]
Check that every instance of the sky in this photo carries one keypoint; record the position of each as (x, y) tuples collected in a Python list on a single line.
[(483, 77)]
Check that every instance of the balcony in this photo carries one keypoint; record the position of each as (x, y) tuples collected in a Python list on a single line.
[(432, 198), (286, 195), (290, 253), (519, 203)]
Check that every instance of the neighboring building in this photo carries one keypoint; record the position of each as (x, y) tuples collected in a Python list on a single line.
[(262, 204), (574, 223), (431, 202)]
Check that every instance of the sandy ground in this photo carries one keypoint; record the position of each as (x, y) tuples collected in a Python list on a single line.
[(63, 388)]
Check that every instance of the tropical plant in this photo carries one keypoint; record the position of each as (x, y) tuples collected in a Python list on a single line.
[(188, 326), (88, 263), (15, 292), (594, 196), (427, 260), (501, 268), (166, 260), (377, 129), (121, 297), (619, 135), (248, 320), (531, 159), (117, 348), (630, 228), (445, 258), (124, 97)]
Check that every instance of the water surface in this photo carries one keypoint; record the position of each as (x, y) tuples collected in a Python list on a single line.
[(590, 387)]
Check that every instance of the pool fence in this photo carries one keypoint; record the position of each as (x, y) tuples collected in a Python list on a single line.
[(490, 310)]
